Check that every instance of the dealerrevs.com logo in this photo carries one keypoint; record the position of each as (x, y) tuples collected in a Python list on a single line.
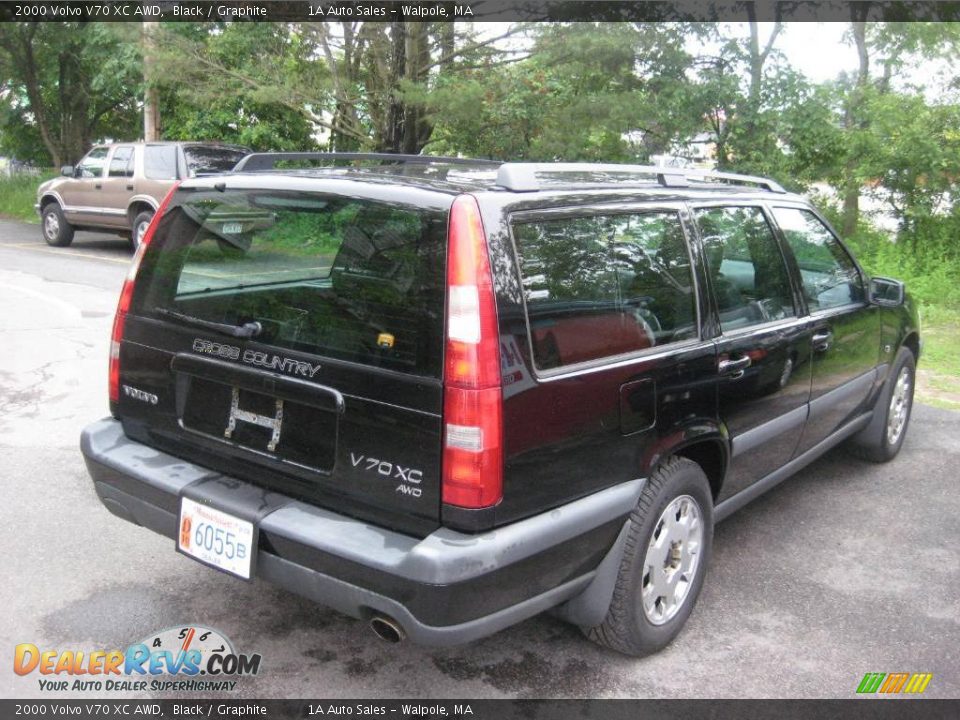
[(190, 658)]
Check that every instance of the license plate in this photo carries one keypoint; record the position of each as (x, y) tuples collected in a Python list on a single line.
[(233, 228), (216, 538)]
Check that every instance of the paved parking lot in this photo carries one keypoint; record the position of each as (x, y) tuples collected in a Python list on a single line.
[(845, 569)]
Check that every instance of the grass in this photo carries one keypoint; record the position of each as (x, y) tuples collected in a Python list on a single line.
[(938, 377), (18, 193)]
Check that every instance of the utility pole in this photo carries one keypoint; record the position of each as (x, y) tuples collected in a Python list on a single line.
[(151, 99)]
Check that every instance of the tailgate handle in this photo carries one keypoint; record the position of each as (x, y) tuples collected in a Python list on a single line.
[(284, 387)]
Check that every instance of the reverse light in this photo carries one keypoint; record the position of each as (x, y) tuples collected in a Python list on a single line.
[(126, 295), (472, 406)]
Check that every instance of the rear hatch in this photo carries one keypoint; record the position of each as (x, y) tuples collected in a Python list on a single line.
[(295, 340)]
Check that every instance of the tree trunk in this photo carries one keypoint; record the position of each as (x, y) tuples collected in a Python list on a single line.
[(151, 99), (854, 121), (32, 82)]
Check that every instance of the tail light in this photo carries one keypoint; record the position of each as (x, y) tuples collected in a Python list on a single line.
[(126, 295), (472, 408)]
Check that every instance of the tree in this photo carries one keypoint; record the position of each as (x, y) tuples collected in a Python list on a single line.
[(69, 83)]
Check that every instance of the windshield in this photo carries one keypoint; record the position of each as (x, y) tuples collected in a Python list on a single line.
[(324, 274), (206, 160)]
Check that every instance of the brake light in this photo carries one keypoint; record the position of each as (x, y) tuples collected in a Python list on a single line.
[(472, 407), (126, 295)]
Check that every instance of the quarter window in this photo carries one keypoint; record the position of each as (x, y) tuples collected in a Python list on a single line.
[(605, 285), (92, 165), (746, 267), (121, 164), (160, 162), (830, 277)]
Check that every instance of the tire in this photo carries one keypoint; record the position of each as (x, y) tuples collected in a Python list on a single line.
[(882, 439), (54, 226), (139, 228), (636, 623)]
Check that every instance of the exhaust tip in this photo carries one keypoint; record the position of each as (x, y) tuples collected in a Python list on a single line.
[(387, 629)]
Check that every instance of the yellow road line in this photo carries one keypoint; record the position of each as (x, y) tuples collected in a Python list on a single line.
[(31, 247)]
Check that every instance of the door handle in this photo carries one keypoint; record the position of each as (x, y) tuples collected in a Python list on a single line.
[(821, 341), (734, 368), (98, 185), (129, 187)]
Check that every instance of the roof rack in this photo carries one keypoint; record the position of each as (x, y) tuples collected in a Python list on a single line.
[(257, 162), (522, 177)]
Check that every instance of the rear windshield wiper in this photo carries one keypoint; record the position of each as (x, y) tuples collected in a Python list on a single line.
[(247, 330)]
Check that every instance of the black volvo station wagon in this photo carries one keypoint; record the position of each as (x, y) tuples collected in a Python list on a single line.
[(445, 395)]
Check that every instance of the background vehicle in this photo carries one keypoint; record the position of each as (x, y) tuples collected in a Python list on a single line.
[(119, 187), (444, 395)]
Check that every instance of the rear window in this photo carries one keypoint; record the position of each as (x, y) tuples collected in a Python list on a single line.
[(328, 275), (602, 286), (204, 160)]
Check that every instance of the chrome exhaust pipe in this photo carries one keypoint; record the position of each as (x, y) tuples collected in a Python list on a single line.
[(387, 629)]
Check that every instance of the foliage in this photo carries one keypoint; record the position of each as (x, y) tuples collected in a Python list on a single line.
[(18, 193), (64, 85)]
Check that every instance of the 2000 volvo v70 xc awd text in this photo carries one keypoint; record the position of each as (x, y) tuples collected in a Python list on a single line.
[(444, 395)]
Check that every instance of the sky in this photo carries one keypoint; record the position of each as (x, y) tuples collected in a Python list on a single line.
[(817, 49)]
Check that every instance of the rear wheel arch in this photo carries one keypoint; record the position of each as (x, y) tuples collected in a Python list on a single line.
[(135, 208), (704, 442), (711, 456)]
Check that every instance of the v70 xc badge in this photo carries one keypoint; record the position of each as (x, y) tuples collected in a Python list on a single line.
[(409, 478)]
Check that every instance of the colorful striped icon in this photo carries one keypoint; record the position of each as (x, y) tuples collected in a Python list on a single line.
[(914, 683)]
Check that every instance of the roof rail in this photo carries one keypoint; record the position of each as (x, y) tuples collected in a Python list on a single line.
[(255, 162), (522, 177)]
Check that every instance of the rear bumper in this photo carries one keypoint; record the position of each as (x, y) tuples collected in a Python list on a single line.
[(444, 589)]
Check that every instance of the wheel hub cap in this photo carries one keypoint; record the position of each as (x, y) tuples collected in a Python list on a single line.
[(672, 559), (51, 226), (899, 407)]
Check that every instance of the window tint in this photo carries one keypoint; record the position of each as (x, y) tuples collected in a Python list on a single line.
[(602, 286), (92, 165), (121, 164), (746, 267), (328, 275), (830, 278), (160, 162), (202, 159)]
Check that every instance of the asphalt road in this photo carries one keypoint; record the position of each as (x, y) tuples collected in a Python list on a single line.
[(847, 568)]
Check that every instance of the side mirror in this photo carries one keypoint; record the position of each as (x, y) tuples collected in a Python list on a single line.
[(67, 171), (886, 292)]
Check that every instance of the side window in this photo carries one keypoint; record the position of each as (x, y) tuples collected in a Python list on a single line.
[(121, 164), (830, 277), (602, 286), (160, 162), (746, 266), (92, 165)]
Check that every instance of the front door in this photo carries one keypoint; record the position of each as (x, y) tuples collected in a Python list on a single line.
[(82, 196), (764, 347), (845, 328)]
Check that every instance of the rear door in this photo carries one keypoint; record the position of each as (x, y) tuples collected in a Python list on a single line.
[(764, 346), (604, 365), (118, 186), (294, 339), (845, 327)]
